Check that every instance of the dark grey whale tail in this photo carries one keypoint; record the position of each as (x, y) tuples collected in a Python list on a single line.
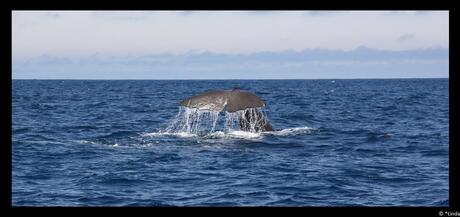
[(234, 100)]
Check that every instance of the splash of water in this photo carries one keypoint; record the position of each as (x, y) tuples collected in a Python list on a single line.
[(203, 122)]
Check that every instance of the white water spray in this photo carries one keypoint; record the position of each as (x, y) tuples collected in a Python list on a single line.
[(203, 122)]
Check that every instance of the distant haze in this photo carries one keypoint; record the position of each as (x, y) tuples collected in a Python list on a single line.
[(229, 44)]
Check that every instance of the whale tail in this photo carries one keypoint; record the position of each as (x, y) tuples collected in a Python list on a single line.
[(232, 101)]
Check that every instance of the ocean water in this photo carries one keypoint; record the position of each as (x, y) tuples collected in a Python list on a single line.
[(337, 143)]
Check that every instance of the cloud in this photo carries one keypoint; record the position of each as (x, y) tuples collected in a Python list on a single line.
[(362, 62), (410, 13), (405, 37), (187, 13), (143, 32), (325, 13), (54, 15)]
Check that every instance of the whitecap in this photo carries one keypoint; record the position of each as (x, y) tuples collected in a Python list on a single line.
[(161, 134), (244, 134), (291, 131), (238, 134)]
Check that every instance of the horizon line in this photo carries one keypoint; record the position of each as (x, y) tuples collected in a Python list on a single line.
[(90, 79)]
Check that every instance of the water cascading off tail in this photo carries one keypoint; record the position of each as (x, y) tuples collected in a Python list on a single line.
[(202, 122)]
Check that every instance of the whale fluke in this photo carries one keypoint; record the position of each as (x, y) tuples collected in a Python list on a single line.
[(233, 101), (214, 100), (240, 100), (217, 100)]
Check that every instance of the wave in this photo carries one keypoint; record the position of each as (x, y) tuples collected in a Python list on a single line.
[(292, 131), (211, 135), (158, 137), (238, 134), (176, 134)]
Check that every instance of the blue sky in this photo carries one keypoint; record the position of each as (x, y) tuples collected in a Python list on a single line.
[(229, 44)]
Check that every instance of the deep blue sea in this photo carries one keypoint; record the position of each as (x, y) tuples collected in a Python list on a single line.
[(337, 143)]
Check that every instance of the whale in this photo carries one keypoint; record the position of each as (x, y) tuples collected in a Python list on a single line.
[(250, 118)]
